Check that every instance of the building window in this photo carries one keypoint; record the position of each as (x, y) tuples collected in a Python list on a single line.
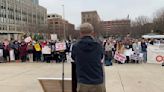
[(56, 23), (53, 15), (88, 20), (84, 20)]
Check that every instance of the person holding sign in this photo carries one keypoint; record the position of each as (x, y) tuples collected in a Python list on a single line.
[(119, 52), (87, 54)]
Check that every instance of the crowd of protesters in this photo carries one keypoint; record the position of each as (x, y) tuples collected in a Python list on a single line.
[(125, 46), (33, 51), (45, 51)]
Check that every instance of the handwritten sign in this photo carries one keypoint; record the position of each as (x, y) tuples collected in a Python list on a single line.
[(28, 39), (54, 37), (120, 57), (60, 46), (46, 50)]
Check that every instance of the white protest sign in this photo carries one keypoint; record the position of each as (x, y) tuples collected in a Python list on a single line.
[(120, 57), (46, 50), (54, 37), (60, 46), (128, 52), (28, 39), (1, 52), (12, 55)]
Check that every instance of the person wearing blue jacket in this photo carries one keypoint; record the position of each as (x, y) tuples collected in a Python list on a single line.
[(88, 54)]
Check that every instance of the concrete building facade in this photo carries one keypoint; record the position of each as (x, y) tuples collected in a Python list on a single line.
[(24, 16), (56, 25), (93, 18), (35, 2), (90, 17)]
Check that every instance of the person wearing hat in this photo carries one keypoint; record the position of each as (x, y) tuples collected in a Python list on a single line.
[(88, 54)]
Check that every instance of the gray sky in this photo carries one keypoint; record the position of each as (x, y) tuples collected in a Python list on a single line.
[(107, 9)]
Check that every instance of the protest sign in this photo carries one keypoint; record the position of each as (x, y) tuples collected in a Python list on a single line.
[(46, 50), (120, 57), (60, 46), (12, 55), (1, 52), (128, 52), (28, 39), (54, 37), (155, 54)]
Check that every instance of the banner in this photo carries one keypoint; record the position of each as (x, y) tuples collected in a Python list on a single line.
[(60, 46), (120, 57), (155, 54)]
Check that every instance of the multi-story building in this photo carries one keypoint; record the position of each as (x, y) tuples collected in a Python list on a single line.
[(35, 2), (109, 25), (57, 25), (93, 18), (90, 16), (116, 26), (21, 16)]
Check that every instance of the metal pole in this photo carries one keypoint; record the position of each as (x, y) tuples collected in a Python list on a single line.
[(62, 57), (64, 22)]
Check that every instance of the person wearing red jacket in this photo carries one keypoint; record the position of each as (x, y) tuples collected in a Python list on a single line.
[(23, 51)]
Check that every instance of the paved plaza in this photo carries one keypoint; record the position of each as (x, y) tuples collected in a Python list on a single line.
[(22, 77)]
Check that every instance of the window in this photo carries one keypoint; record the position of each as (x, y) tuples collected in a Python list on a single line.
[(83, 20), (88, 20), (56, 23), (53, 15)]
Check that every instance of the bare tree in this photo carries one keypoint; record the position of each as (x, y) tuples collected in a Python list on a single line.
[(142, 25), (142, 20), (159, 21)]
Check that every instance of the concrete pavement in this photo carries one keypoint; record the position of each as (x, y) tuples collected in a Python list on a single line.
[(22, 77)]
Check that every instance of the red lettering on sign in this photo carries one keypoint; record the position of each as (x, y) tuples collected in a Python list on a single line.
[(159, 58)]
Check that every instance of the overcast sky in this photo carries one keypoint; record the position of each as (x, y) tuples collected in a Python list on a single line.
[(107, 9)]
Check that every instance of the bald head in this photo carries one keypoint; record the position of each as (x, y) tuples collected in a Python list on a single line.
[(86, 29)]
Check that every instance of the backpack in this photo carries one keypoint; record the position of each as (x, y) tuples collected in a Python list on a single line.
[(37, 47)]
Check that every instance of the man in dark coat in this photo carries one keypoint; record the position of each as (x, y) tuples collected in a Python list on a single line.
[(88, 54)]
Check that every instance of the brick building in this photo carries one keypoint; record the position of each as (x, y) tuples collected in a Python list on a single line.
[(56, 25), (116, 26)]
